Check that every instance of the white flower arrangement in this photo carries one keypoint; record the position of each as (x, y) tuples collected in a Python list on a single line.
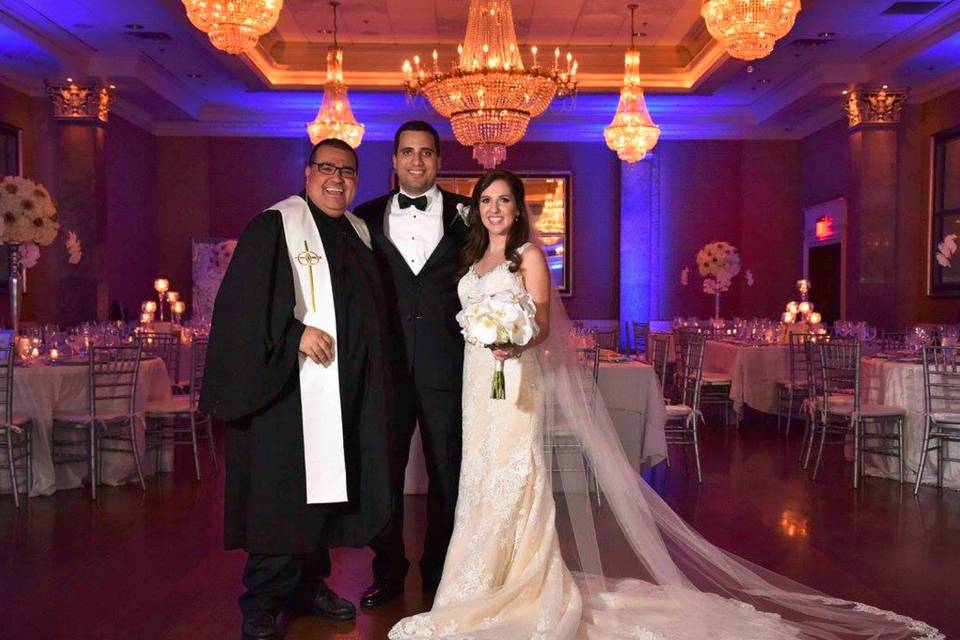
[(27, 212), (945, 250), (499, 320), (718, 263)]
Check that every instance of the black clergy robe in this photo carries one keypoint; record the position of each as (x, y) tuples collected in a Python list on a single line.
[(251, 382)]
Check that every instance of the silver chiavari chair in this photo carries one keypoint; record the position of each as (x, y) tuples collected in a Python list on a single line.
[(792, 392), (166, 346), (641, 331), (941, 390), (681, 427), (658, 356), (607, 338), (16, 433), (715, 387), (180, 416), (109, 424), (560, 441), (840, 411)]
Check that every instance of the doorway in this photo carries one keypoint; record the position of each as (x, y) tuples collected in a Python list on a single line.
[(826, 273)]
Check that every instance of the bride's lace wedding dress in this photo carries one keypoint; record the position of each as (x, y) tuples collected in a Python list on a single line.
[(504, 577)]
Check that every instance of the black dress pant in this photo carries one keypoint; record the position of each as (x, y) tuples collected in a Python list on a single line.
[(274, 582), (438, 412)]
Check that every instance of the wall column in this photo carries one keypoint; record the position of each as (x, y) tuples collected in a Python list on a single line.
[(641, 241), (874, 118), (81, 113)]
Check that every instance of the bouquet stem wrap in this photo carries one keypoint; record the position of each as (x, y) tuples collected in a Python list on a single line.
[(498, 390)]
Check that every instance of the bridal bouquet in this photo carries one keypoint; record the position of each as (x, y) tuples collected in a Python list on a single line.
[(499, 320)]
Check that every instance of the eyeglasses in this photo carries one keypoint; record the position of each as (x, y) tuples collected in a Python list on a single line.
[(329, 169)]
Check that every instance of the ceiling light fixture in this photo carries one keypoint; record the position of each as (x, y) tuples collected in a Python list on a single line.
[(748, 29), (632, 134), (234, 26), (335, 118), (489, 96)]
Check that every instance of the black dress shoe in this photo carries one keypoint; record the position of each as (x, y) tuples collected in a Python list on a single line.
[(381, 592), (261, 626), (327, 604)]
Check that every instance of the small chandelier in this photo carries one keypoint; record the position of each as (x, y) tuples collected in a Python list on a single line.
[(748, 29), (335, 118), (550, 223), (489, 96), (632, 133), (234, 26)]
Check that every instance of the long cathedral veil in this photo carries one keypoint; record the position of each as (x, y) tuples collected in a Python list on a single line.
[(677, 562)]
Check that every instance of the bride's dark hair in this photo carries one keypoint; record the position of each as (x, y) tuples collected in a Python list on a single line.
[(478, 239)]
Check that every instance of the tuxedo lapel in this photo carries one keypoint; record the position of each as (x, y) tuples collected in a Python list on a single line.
[(451, 239)]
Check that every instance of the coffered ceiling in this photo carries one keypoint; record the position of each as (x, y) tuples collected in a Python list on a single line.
[(173, 82)]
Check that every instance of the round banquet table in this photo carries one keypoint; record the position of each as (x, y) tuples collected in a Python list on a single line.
[(901, 384), (40, 389), (632, 395), (753, 371)]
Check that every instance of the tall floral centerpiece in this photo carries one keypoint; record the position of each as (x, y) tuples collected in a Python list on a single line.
[(27, 215), (718, 263)]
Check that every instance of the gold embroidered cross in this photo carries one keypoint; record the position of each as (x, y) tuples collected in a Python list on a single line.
[(308, 258)]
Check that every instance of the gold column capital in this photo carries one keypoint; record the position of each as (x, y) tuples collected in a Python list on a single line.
[(873, 106), (74, 101)]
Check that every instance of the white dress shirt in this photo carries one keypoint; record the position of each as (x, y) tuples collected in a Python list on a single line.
[(416, 233)]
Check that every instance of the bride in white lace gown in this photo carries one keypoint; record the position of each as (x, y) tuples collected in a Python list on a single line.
[(504, 577)]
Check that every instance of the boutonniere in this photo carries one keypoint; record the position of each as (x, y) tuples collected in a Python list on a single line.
[(463, 213)]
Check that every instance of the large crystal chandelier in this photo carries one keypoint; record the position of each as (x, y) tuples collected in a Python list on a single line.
[(489, 96), (335, 118), (632, 133), (748, 29), (234, 26)]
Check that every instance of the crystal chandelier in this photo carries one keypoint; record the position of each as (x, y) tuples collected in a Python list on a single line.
[(335, 118), (632, 133), (234, 26), (489, 96), (748, 29)]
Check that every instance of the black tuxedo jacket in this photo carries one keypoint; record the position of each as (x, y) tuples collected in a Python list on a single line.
[(426, 304)]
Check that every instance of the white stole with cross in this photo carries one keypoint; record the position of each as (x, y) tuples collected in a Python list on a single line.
[(323, 453)]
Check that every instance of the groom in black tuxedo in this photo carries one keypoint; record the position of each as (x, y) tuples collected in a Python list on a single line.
[(417, 234)]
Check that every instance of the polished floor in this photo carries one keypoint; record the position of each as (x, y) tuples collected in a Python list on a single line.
[(150, 566)]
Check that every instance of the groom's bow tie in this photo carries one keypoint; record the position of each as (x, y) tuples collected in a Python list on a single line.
[(406, 201)]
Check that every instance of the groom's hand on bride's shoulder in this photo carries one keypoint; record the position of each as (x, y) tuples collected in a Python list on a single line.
[(317, 345)]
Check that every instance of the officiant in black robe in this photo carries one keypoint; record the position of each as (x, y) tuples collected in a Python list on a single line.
[(252, 382)]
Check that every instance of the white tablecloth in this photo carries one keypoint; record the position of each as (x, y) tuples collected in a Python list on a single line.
[(635, 401), (753, 371), (39, 390), (901, 384)]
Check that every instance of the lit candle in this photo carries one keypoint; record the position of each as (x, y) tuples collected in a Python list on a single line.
[(54, 354), (161, 285), (179, 306), (815, 318), (533, 50), (805, 307), (150, 306), (793, 307), (787, 317), (35, 352), (173, 296)]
